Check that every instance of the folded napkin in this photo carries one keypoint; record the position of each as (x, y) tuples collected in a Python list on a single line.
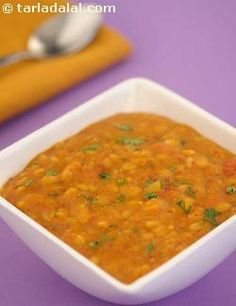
[(29, 83)]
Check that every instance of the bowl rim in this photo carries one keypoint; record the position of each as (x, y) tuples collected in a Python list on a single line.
[(142, 281), (96, 100)]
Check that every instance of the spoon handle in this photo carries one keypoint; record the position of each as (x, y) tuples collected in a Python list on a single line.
[(14, 58)]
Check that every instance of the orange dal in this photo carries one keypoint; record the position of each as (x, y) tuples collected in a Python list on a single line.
[(129, 192)]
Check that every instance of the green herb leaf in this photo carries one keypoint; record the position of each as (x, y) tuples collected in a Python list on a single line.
[(150, 195), (121, 198), (127, 141), (51, 172), (90, 148), (94, 244), (230, 189), (28, 182), (183, 206), (89, 200), (104, 176), (124, 127), (190, 192), (210, 215), (121, 181), (104, 238), (149, 248)]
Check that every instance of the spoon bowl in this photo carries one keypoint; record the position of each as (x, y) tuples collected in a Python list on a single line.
[(63, 34)]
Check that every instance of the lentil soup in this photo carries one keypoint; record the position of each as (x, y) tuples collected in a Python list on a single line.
[(129, 192)]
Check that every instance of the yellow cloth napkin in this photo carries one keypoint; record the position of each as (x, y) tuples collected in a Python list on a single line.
[(29, 83)]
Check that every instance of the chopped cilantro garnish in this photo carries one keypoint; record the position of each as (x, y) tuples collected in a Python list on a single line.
[(121, 181), (98, 243), (90, 148), (94, 244), (230, 189), (149, 247), (28, 182), (51, 172), (182, 204), (190, 192), (104, 176), (124, 127), (89, 200), (210, 215), (121, 198), (127, 141), (150, 195)]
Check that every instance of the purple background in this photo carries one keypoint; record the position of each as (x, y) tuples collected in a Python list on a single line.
[(187, 45)]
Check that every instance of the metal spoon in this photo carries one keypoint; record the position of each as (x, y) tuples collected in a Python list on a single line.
[(63, 34)]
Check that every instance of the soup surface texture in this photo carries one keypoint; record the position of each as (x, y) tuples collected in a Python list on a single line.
[(129, 192)]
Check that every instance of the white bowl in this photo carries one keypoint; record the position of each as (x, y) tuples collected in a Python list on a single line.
[(134, 95)]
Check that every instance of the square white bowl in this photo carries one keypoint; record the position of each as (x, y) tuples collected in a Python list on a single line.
[(134, 95)]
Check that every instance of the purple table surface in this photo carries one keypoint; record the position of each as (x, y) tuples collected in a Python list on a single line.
[(187, 45)]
